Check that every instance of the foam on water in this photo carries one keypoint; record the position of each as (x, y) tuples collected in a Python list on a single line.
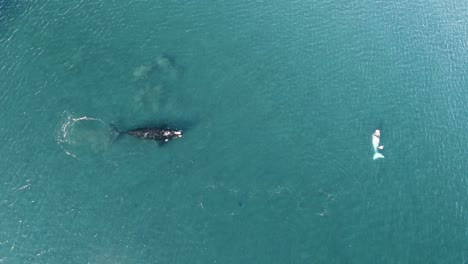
[(83, 135)]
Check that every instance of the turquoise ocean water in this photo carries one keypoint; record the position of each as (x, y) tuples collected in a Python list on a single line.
[(278, 100)]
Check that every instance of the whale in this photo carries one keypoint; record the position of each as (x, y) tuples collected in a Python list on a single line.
[(375, 145), (160, 134)]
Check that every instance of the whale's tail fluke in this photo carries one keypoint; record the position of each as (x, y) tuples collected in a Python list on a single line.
[(114, 127), (120, 133), (377, 155)]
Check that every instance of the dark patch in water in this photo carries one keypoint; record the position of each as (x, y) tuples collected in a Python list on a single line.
[(7, 9)]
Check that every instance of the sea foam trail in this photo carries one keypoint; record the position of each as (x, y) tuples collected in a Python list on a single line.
[(82, 134)]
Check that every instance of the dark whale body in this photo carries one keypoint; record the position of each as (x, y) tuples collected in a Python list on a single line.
[(155, 133), (161, 134)]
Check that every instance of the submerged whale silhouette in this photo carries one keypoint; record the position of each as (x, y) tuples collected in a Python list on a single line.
[(161, 134)]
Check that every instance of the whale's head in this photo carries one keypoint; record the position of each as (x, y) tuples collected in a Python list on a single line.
[(170, 134), (176, 133)]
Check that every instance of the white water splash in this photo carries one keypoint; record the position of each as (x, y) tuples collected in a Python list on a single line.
[(82, 134)]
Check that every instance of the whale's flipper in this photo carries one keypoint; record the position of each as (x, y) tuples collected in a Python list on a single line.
[(377, 155)]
